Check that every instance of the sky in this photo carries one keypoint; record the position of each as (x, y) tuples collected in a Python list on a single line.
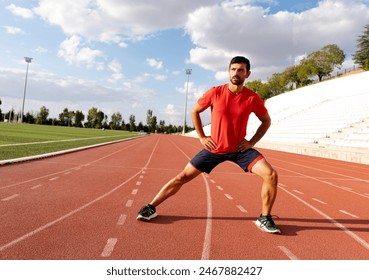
[(130, 56)]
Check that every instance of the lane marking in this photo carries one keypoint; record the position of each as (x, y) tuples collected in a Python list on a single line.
[(288, 253), (75, 211), (122, 220), (129, 203), (138, 183), (366, 194), (53, 179), (36, 187), (349, 214), (109, 247), (317, 200), (243, 210), (211, 180), (209, 223), (296, 191), (67, 173), (141, 176), (219, 188), (207, 239), (228, 196), (346, 188), (333, 221), (323, 181), (134, 191), (10, 197)]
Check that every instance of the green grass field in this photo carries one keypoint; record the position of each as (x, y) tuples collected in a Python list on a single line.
[(22, 140)]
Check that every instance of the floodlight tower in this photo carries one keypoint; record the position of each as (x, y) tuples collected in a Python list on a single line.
[(188, 73), (28, 60)]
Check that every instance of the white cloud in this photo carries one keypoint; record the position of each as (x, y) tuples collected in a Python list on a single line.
[(271, 41), (22, 12), (116, 68), (157, 64), (72, 51), (13, 30), (116, 20)]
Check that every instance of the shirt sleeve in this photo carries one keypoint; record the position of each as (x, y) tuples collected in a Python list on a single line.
[(207, 99), (259, 107)]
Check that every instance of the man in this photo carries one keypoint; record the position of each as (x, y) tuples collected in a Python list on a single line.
[(231, 104)]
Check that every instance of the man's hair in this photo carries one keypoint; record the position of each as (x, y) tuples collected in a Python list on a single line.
[(241, 60)]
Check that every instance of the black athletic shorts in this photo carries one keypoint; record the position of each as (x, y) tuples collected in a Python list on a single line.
[(206, 161)]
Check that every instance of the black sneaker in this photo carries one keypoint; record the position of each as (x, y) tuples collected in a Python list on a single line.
[(266, 223), (147, 213)]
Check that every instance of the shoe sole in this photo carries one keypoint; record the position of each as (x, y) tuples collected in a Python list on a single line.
[(142, 218), (258, 224)]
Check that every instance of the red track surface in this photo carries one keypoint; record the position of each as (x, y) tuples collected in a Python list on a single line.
[(83, 206)]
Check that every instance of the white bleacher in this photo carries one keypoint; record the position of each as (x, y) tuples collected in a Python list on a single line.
[(326, 112), (332, 114)]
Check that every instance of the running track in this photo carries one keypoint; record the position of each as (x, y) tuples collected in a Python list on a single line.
[(83, 205)]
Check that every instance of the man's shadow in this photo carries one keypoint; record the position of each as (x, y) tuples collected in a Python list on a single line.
[(297, 224)]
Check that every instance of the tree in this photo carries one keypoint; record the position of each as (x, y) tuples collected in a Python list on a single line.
[(116, 120), (1, 115), (95, 118), (361, 56), (277, 83), (325, 60), (42, 115), (132, 123), (79, 117), (262, 89)]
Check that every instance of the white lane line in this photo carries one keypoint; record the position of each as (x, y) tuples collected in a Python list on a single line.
[(228, 196), (141, 176), (54, 178), (67, 173), (211, 180), (349, 214), (321, 202), (36, 187), (346, 188), (243, 210), (109, 247), (207, 240), (296, 191), (122, 220), (337, 224), (366, 194), (288, 253), (219, 188), (129, 203), (10, 197), (134, 191), (138, 183)]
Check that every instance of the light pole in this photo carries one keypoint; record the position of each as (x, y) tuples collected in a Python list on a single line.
[(28, 61), (188, 73)]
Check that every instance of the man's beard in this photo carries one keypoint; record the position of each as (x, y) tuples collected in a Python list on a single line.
[(237, 81)]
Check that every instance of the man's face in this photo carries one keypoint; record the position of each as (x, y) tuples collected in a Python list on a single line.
[(238, 73)]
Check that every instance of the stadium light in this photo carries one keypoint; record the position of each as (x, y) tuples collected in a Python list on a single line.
[(188, 73), (28, 60)]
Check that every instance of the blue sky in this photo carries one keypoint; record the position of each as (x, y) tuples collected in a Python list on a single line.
[(129, 56)]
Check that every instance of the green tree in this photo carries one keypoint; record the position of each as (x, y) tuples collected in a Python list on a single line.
[(42, 115), (95, 118), (116, 120), (132, 123), (325, 60), (361, 56), (277, 84), (262, 89), (79, 117)]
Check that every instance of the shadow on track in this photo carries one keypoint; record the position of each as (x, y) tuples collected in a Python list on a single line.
[(287, 229)]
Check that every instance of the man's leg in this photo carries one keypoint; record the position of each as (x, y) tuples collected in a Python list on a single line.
[(173, 186), (269, 188), (148, 211)]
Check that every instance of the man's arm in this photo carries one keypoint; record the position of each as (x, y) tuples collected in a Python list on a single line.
[(206, 141), (260, 132)]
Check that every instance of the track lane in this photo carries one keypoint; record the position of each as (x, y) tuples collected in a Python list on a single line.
[(107, 229)]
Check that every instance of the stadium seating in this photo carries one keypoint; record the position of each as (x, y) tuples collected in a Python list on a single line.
[(332, 115)]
